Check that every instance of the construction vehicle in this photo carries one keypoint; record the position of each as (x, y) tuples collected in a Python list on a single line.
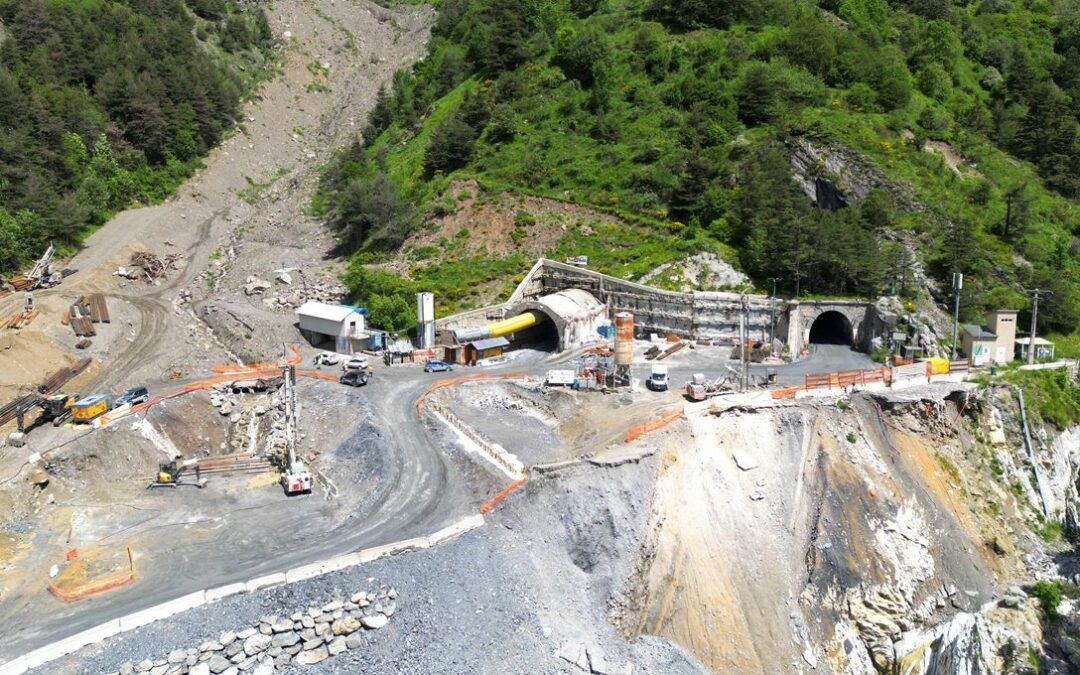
[(170, 474), (658, 379), (54, 407), (91, 407), (698, 389), (41, 276), (295, 478)]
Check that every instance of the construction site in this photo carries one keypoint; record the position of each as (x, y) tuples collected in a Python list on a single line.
[(205, 472)]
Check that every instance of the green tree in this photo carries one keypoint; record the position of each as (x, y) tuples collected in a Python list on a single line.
[(582, 53)]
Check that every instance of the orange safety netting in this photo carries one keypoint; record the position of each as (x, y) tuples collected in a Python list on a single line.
[(73, 592), (639, 430), (489, 506)]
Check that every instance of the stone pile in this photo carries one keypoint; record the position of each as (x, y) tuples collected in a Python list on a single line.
[(275, 643), (293, 295)]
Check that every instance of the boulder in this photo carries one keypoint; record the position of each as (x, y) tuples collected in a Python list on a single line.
[(312, 656), (336, 647), (256, 644), (345, 626), (218, 663), (199, 669), (374, 622)]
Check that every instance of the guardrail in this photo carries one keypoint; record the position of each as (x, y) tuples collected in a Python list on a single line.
[(183, 603)]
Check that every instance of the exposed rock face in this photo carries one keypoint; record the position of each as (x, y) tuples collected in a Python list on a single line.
[(968, 644), (834, 176)]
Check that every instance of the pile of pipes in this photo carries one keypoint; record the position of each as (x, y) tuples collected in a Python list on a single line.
[(84, 313)]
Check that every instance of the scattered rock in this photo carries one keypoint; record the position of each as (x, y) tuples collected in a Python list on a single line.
[(375, 621)]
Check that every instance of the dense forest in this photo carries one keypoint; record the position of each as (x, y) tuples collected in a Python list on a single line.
[(681, 115), (109, 103)]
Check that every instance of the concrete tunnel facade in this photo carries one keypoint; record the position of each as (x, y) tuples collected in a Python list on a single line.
[(577, 315)]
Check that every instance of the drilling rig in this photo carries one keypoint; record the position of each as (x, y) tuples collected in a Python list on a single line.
[(295, 478)]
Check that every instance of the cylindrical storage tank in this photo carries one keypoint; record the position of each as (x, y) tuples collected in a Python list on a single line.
[(624, 339)]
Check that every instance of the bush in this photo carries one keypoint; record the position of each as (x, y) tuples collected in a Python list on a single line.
[(1049, 595), (581, 53)]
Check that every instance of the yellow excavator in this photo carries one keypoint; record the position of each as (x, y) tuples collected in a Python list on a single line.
[(170, 473)]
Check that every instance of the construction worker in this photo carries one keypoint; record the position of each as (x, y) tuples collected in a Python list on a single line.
[(28, 302)]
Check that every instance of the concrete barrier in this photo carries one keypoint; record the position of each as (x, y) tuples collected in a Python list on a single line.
[(376, 552), (456, 530), (72, 644), (259, 583), (16, 667), (222, 592), (162, 611), (320, 568)]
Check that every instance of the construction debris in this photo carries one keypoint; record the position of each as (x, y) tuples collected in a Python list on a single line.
[(153, 266)]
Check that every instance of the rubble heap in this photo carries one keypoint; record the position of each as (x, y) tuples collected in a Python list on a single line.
[(292, 293), (275, 643), (149, 266)]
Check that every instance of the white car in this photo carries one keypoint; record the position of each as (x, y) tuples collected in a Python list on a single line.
[(328, 359), (355, 363)]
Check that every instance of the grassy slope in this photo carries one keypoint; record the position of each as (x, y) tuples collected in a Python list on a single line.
[(558, 152)]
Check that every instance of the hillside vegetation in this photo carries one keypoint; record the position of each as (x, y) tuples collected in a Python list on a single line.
[(681, 115), (108, 103)]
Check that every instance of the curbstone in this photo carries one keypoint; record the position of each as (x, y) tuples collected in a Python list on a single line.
[(222, 592), (164, 610)]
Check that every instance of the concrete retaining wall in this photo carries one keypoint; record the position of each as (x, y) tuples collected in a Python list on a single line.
[(113, 627)]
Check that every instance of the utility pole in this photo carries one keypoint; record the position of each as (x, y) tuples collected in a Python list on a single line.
[(957, 285), (1035, 293), (772, 312)]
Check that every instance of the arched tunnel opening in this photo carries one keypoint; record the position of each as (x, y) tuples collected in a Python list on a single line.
[(542, 335), (832, 328)]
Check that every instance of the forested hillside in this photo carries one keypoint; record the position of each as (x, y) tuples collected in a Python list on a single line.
[(683, 116), (108, 103)]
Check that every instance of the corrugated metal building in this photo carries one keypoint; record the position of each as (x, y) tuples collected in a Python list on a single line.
[(340, 325)]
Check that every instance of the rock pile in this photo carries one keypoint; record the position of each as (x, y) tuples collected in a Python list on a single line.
[(275, 643), (294, 294)]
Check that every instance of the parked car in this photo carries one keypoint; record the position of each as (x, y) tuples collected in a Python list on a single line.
[(436, 366), (328, 359), (133, 396), (658, 381), (355, 363), (354, 378)]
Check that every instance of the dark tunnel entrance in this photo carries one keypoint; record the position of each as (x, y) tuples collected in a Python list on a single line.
[(832, 328)]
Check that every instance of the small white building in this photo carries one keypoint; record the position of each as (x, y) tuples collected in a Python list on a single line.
[(1044, 349), (340, 325)]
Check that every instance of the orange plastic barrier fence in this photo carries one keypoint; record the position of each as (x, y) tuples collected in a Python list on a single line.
[(489, 506), (639, 430), (106, 583), (847, 378)]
